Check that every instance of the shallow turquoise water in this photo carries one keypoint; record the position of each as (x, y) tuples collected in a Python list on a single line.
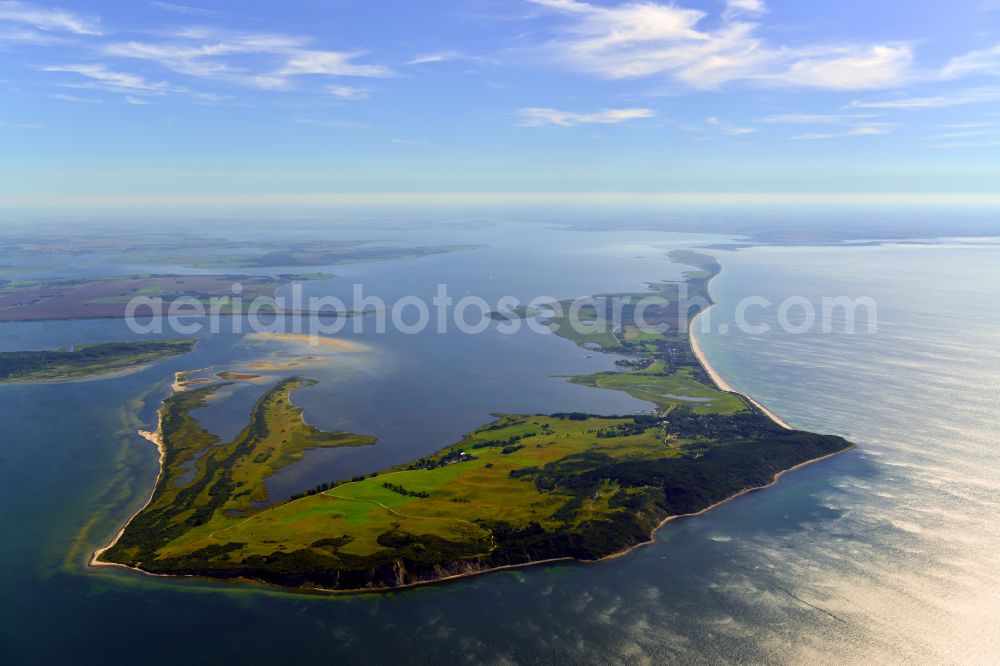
[(886, 553)]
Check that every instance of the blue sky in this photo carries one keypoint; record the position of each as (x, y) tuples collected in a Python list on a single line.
[(311, 100)]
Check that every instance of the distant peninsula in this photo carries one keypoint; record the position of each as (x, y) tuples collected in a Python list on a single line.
[(521, 490), (56, 299), (87, 361)]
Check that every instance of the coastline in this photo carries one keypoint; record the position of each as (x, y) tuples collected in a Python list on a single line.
[(720, 380), (156, 439), (97, 376), (745, 491), (94, 562), (613, 556), (282, 313)]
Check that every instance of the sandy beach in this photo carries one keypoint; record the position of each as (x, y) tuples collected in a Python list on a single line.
[(720, 381), (182, 383)]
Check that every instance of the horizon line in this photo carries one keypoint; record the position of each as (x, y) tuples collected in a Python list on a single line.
[(568, 197)]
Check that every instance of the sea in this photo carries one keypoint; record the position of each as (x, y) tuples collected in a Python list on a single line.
[(885, 554)]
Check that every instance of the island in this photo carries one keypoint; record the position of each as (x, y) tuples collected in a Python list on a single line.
[(87, 361), (108, 297), (303, 254), (199, 251), (521, 490)]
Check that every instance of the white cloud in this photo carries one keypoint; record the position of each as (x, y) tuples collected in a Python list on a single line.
[(965, 144), (100, 77), (330, 122), (129, 99), (857, 69), (536, 117), (115, 81), (441, 56), (186, 10), (815, 118), (958, 98), (641, 39), (47, 19), (965, 134), (192, 60), (410, 142), (735, 8), (981, 124), (983, 62), (908, 103), (73, 98), (727, 128), (261, 60), (198, 52), (864, 130), (25, 35), (330, 63), (349, 92)]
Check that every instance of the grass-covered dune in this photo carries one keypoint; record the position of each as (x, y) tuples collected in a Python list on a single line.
[(86, 361)]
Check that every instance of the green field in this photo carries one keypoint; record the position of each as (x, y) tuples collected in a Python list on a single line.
[(668, 390), (86, 361), (596, 332), (475, 487)]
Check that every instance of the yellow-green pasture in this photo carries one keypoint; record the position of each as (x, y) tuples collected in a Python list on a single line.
[(667, 390), (477, 487)]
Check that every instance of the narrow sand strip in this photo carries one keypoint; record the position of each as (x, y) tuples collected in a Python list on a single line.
[(156, 438), (722, 383)]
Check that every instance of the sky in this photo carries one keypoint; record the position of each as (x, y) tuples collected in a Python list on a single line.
[(108, 102)]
